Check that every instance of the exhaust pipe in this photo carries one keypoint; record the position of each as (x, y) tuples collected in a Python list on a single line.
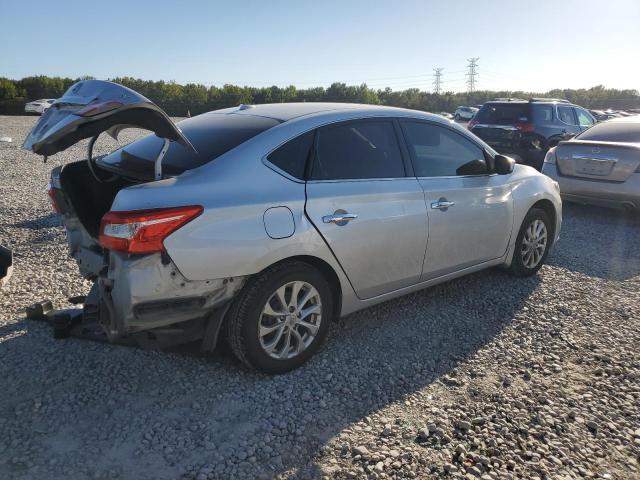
[(6, 265)]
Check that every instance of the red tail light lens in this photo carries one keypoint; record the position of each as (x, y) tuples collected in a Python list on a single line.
[(52, 192), (143, 231), (472, 123), (525, 127)]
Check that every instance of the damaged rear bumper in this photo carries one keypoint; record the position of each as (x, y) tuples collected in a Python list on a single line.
[(144, 301), (143, 293)]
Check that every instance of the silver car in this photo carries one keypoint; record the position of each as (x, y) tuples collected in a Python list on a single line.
[(267, 222), (600, 166)]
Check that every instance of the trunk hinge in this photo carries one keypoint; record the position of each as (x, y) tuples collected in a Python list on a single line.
[(157, 170)]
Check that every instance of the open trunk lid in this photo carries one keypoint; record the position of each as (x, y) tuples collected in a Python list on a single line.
[(91, 107), (597, 160)]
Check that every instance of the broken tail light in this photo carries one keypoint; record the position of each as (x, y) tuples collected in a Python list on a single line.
[(525, 127), (52, 192), (143, 231)]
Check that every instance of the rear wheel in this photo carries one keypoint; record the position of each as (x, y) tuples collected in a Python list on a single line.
[(532, 244), (456, 117), (280, 318)]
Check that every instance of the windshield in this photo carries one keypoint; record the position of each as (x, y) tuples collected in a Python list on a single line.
[(628, 132), (503, 113), (212, 134)]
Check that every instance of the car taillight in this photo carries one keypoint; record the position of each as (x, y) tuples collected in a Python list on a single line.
[(52, 192), (550, 157), (472, 123), (143, 231), (525, 127), (97, 108)]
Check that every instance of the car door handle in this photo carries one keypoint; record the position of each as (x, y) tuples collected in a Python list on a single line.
[(442, 205), (339, 218)]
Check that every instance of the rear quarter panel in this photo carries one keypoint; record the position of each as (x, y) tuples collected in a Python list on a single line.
[(229, 238)]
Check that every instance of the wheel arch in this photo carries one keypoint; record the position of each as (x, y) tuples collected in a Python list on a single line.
[(327, 272), (324, 268), (548, 207)]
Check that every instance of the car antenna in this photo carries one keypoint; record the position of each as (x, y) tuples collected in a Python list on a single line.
[(157, 169)]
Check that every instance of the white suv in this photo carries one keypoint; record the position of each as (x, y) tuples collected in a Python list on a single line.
[(464, 113)]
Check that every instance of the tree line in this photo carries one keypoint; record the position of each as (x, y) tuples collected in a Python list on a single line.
[(177, 99)]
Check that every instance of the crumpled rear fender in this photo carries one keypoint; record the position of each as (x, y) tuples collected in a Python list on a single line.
[(145, 292)]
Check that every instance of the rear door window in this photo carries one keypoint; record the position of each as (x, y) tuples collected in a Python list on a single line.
[(357, 150), (292, 156), (437, 150), (503, 113), (565, 115)]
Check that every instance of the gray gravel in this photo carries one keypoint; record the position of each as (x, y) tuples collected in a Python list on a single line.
[(484, 377)]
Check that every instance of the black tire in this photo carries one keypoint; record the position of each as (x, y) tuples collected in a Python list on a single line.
[(242, 321), (518, 266), (456, 117)]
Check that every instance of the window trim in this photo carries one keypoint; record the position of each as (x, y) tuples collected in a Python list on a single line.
[(267, 163), (384, 119), (428, 122)]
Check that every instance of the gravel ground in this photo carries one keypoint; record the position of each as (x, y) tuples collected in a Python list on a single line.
[(487, 376)]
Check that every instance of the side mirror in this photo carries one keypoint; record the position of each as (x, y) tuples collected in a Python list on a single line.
[(503, 165), (474, 167)]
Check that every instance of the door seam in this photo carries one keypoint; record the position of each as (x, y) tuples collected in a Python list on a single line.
[(306, 214)]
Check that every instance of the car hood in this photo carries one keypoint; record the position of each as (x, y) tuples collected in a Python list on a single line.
[(91, 107)]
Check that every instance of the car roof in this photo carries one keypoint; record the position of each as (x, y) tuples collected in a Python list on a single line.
[(520, 101), (288, 111)]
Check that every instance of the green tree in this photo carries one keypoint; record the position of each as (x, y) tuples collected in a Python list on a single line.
[(8, 89), (176, 99)]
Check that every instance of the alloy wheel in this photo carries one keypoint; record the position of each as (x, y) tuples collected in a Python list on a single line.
[(534, 244), (290, 320)]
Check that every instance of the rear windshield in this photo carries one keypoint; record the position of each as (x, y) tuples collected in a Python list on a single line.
[(212, 134), (613, 132), (503, 113)]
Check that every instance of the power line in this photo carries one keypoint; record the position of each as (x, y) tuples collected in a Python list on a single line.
[(437, 80), (472, 74)]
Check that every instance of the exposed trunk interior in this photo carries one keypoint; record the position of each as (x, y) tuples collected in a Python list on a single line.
[(90, 198)]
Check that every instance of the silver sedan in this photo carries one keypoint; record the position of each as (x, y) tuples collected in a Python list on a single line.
[(267, 222), (600, 166)]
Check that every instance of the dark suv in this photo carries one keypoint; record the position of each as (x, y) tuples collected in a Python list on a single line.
[(526, 129)]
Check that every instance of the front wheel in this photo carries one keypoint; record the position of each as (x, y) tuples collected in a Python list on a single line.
[(532, 244), (456, 117), (280, 318)]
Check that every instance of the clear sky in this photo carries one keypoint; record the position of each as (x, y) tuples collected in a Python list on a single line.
[(535, 45)]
